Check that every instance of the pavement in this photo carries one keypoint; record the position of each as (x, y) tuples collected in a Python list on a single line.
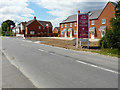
[(53, 67), (12, 77)]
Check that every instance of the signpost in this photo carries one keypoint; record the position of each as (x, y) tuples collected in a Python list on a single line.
[(82, 28)]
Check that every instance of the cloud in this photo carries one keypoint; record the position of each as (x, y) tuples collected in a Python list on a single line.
[(15, 10), (63, 8)]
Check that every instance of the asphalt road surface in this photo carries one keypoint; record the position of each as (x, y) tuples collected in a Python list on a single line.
[(53, 67), (12, 77)]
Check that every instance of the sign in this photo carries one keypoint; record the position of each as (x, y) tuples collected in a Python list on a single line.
[(83, 25), (82, 28)]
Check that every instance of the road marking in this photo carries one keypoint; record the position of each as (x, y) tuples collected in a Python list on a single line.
[(53, 54), (41, 50), (97, 67), (28, 41), (37, 42)]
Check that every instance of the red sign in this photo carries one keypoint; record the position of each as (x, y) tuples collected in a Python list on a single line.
[(83, 25)]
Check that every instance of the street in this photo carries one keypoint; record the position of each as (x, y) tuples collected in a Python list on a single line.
[(53, 67), (12, 77)]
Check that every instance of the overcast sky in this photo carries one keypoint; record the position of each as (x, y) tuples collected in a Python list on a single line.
[(50, 10)]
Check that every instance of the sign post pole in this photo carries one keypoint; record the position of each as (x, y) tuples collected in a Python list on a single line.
[(88, 30), (77, 30)]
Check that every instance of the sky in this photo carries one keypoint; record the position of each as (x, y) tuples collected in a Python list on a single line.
[(46, 10)]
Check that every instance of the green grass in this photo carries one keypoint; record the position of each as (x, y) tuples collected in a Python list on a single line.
[(109, 52)]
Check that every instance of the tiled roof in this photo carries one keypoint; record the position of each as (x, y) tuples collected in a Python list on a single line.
[(43, 23), (93, 15), (29, 22)]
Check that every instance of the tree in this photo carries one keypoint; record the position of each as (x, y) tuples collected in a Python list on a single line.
[(4, 27), (10, 22), (117, 9), (112, 36)]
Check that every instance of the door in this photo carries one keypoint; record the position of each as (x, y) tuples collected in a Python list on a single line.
[(65, 34), (92, 35), (70, 34)]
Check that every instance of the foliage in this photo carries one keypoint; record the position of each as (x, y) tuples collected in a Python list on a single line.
[(112, 36), (117, 9), (6, 27)]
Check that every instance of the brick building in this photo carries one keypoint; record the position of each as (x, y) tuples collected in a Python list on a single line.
[(34, 28), (98, 23)]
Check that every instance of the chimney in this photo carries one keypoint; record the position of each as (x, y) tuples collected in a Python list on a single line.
[(78, 11), (34, 17)]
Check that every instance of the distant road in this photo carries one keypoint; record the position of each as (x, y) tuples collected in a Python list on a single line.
[(53, 67)]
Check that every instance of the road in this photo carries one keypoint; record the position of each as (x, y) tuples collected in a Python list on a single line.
[(12, 77), (53, 67)]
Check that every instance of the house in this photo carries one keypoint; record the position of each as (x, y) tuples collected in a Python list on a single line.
[(98, 23), (34, 28), (56, 30)]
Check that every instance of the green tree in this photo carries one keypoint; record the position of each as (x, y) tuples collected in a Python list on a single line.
[(112, 36), (4, 27), (10, 22), (117, 9)]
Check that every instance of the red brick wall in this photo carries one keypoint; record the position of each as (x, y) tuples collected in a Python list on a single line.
[(35, 26), (107, 14), (68, 26)]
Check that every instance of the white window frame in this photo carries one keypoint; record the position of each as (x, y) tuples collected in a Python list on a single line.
[(32, 32), (61, 25), (104, 22), (93, 22), (70, 24), (65, 25), (75, 24)]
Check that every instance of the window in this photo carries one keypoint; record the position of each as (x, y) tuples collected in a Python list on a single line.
[(61, 33), (103, 21), (61, 25), (46, 24), (70, 24), (43, 27), (65, 25), (39, 27), (75, 24), (92, 22), (75, 32), (32, 32)]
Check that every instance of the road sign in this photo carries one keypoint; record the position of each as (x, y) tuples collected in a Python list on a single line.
[(82, 28), (83, 22)]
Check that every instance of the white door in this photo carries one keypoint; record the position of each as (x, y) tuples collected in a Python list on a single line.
[(65, 34), (71, 34), (92, 35)]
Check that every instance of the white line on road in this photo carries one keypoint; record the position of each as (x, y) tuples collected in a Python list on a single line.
[(37, 42), (53, 54), (28, 41), (41, 50), (97, 66)]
